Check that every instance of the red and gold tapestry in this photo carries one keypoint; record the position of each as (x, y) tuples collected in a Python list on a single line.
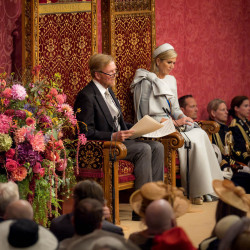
[(65, 47), (132, 51)]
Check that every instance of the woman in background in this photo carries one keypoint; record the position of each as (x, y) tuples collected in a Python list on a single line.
[(155, 94), (240, 127)]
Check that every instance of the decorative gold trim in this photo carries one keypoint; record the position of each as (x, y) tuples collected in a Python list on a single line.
[(153, 25), (59, 8), (94, 27)]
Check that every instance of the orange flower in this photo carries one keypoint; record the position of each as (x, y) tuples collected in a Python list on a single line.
[(19, 174)]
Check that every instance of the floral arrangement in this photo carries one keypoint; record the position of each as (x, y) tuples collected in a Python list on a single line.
[(34, 152)]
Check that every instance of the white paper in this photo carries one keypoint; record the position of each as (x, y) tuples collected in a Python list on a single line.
[(146, 125), (167, 129)]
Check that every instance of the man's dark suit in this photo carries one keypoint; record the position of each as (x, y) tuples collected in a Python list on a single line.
[(147, 156), (62, 227)]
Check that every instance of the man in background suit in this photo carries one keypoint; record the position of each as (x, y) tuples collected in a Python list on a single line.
[(97, 106), (188, 106)]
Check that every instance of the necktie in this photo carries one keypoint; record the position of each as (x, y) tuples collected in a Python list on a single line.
[(112, 108)]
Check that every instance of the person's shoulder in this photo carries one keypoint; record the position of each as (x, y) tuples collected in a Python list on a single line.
[(108, 226), (61, 219), (233, 123)]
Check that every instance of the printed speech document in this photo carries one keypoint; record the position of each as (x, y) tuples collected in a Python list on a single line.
[(149, 127)]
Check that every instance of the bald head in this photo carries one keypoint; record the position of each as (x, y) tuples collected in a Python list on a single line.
[(159, 217), (19, 209)]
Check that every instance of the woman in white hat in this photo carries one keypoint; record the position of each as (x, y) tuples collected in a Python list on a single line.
[(155, 94)]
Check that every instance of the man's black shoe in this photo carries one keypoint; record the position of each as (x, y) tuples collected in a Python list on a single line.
[(135, 216)]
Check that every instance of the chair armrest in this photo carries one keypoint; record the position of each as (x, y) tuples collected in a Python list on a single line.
[(211, 127)]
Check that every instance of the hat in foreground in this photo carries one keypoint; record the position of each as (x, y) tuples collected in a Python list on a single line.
[(232, 195), (152, 191), (26, 234)]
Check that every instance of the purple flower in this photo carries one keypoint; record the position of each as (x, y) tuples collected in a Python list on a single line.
[(30, 108), (45, 121), (18, 92), (27, 154)]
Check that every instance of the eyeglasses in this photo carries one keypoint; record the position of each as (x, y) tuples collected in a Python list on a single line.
[(111, 75)]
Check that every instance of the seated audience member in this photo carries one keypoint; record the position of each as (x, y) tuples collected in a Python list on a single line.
[(188, 106), (97, 107), (153, 191), (175, 238), (231, 232), (155, 94), (217, 110), (104, 240), (26, 234), (234, 236), (8, 193), (87, 217), (159, 217), (232, 201), (62, 226), (240, 127), (19, 209)]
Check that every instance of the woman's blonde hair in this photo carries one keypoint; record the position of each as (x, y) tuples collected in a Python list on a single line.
[(166, 55)]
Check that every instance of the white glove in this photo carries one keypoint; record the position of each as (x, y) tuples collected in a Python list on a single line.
[(245, 169), (227, 173)]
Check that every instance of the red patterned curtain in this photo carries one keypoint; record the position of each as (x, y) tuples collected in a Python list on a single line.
[(65, 47), (132, 51), (10, 36)]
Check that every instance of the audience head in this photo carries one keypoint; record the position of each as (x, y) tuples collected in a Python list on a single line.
[(188, 106), (88, 189), (159, 217), (217, 110), (153, 191), (233, 233), (240, 107), (87, 216), (233, 199), (102, 240), (8, 193), (26, 234), (19, 209), (161, 53)]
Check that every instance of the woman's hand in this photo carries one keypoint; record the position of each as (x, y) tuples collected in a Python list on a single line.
[(183, 121)]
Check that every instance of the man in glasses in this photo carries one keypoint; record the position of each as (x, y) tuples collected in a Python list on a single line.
[(99, 109)]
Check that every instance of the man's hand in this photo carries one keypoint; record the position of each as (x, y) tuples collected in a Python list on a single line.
[(122, 135), (106, 212)]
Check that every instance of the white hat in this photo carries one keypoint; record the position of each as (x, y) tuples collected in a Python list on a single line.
[(162, 48), (26, 234)]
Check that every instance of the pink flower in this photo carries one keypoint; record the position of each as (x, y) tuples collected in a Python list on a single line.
[(37, 142), (37, 168), (5, 124), (18, 92), (66, 108), (53, 92), (7, 93), (30, 121), (60, 99), (10, 153), (2, 83), (41, 173), (19, 174), (20, 135), (83, 139), (20, 114), (61, 165), (11, 165)]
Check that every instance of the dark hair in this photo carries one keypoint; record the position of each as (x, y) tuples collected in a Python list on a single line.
[(236, 102), (88, 189), (87, 216), (182, 100)]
